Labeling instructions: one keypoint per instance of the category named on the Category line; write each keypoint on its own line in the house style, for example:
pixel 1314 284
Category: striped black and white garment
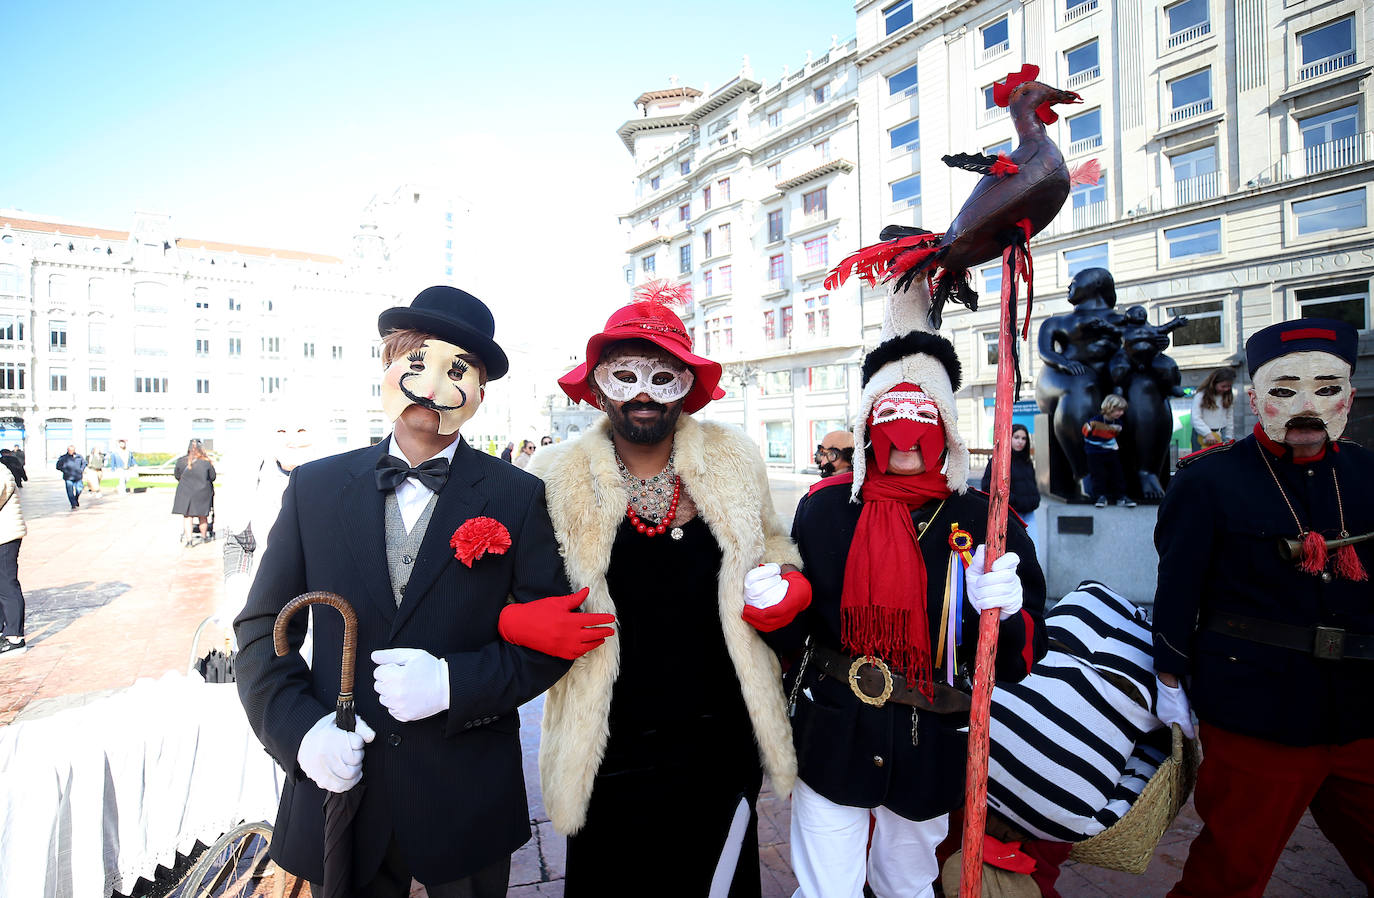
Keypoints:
pixel 1074 742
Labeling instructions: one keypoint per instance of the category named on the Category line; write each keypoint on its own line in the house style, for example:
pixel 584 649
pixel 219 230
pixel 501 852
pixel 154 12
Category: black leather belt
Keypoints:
pixel 873 682
pixel 1327 643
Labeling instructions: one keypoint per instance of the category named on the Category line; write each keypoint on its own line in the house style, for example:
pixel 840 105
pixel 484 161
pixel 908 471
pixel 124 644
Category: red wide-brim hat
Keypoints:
pixel 657 324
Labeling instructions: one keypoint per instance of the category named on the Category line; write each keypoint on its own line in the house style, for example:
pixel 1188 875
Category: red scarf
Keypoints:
pixel 883 605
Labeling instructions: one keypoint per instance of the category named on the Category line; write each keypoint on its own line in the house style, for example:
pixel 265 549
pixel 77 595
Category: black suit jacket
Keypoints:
pixel 450 787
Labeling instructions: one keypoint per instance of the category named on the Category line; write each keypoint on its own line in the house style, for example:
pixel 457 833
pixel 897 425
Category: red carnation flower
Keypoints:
pixel 477 537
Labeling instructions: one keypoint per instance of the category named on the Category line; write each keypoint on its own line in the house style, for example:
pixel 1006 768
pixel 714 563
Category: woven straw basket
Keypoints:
pixel 1128 844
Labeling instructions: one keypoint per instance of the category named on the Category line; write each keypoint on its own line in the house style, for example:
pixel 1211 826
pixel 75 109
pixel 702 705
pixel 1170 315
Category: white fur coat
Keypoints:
pixel 722 471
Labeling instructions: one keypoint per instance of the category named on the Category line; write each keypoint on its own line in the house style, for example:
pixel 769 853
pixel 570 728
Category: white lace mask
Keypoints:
pixel 623 377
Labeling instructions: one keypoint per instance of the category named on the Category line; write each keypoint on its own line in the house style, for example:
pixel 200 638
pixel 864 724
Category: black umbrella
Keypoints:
pixel 339 807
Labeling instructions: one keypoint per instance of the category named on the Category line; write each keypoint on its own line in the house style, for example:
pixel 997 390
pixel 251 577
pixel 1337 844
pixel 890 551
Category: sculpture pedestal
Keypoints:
pixel 1112 545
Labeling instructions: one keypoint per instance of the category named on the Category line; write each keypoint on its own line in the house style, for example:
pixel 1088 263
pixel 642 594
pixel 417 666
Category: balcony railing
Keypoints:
pixel 1197 188
pixel 1323 157
pixel 1084 76
pixel 1182 113
pixel 1179 38
pixel 995 50
pixel 1329 64
pixel 1073 13
pixel 993 114
pixel 1084 145
pixel 1089 215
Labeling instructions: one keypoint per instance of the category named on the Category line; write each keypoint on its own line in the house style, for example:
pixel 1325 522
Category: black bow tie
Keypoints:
pixel 392 471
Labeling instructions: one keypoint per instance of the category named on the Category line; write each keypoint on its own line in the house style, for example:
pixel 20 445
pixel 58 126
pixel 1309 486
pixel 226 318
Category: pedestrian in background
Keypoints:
pixel 16 467
pixel 546 440
pixel 122 464
pixel 73 468
pixel 1104 456
pixel 195 494
pixel 19 452
pixel 1025 493
pixel 507 452
pixel 12 532
pixel 526 451
pixel 835 453
pixel 95 469
pixel 1212 420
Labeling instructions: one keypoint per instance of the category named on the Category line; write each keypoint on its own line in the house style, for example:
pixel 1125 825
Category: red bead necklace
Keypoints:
pixel 661 526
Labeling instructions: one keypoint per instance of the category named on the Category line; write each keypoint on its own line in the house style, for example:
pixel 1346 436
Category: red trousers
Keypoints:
pixel 1251 793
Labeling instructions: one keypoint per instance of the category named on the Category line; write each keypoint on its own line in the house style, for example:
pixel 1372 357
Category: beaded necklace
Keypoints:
pixel 655 498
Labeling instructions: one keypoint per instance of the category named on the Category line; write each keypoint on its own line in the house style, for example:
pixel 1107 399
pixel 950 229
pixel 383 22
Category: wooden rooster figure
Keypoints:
pixel 1020 193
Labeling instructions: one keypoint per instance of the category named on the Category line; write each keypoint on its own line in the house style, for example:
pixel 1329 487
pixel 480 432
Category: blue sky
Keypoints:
pixel 273 123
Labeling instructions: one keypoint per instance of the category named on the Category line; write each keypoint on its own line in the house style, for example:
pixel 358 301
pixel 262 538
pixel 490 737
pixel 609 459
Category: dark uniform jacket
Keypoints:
pixel 450 788
pixel 859 755
pixel 1218 540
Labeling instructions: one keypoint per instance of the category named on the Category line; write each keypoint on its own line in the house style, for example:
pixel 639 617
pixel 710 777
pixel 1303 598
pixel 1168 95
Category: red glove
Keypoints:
pixel 766 620
pixel 552 626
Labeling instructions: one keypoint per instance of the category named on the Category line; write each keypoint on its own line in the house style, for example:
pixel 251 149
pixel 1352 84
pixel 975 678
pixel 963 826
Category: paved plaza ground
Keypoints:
pixel 112 597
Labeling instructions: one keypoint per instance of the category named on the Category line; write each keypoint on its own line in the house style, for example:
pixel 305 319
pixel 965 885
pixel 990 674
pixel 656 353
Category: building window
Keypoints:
pixel 706 244
pixel 778 434
pixel 1005 146
pixel 813 203
pixel 898 15
pixel 235 305
pixel 708 284
pixel 996 39
pixel 57 380
pixel 144 384
pixel 1076 9
pixel 684 167
pixel 448 244
pixel 1327 48
pixel 1204 322
pixel 817 252
pixel 821 94
pixel 775 226
pixel 95 338
pixel 727 278
pixel 907 136
pixel 308 350
pixel 655 181
pixel 1190 95
pixel 770 325
pixel 1095 256
pixel 271 345
pixel 1331 140
pixel 97 381
pixel 786 322
pixel 775 270
pixel 202 385
pixel 775 171
pixel 11 376
pixel 336 353
pixel 1085 131
pixel 684 258
pixel 11 328
pixel 1195 175
pixel 723 235
pixel 818 316
pixel 1333 212
pixel 822 150
pixel 1083 64
pixel 907 190
pixel 1201 239
pixel 57 336
pixel 376 391
pixel 992 280
pixel 235 347
pixel 1188 21
pixel 648 264
pixel 775 118
pixel 777 383
pixel 902 82
pixel 684 212
pixel 706 199
pixel 270 384
pixel 202 346
pixel 1089 202
pixel 729 331
pixel 990 348
pixel 825 377
pixel 1344 302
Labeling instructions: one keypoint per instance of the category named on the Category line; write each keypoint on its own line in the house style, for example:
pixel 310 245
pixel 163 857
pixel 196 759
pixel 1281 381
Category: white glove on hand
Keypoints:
pixel 998 588
pixel 332 757
pixel 1172 708
pixel 764 586
pixel 412 683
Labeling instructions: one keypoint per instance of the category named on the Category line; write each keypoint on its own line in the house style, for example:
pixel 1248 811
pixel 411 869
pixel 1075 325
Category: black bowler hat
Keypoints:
pixel 455 316
pixel 1329 335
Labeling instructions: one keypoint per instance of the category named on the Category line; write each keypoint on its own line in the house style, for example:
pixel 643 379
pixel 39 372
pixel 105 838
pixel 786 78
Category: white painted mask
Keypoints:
pixel 1302 387
pixel 438 376
pixel 622 377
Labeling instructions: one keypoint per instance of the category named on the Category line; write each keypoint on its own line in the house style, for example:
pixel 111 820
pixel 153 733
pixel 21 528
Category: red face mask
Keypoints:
pixel 905 417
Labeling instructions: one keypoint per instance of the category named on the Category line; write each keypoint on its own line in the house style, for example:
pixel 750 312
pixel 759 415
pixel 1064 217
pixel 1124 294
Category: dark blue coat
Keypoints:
pixel 450 787
pixel 1218 536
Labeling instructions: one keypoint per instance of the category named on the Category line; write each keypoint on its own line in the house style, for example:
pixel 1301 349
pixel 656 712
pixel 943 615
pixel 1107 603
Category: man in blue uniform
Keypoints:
pixel 1265 613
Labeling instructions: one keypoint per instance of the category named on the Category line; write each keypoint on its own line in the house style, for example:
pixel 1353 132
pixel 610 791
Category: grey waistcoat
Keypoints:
pixel 401 547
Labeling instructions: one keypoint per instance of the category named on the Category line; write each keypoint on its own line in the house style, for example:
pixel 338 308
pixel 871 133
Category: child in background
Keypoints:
pixel 1104 462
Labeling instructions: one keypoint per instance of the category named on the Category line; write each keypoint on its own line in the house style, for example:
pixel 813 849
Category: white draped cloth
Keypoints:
pixel 94 797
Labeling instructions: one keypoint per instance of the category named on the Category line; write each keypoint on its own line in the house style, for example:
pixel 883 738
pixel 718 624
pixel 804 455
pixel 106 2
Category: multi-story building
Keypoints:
pixel 749 193
pixel 1233 137
pixel 156 338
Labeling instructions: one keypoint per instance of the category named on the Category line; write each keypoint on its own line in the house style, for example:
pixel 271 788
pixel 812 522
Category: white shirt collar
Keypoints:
pixel 446 453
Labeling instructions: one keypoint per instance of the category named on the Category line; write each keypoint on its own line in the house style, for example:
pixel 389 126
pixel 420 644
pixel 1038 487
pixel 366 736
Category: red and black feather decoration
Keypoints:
pixel 665 293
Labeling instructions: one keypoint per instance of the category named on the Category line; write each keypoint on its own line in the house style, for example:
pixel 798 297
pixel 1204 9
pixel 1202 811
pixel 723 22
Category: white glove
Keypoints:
pixel 332 757
pixel 998 588
pixel 1172 708
pixel 412 683
pixel 764 586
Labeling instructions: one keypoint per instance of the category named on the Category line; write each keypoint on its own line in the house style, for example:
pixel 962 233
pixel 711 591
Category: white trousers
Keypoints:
pixel 831 855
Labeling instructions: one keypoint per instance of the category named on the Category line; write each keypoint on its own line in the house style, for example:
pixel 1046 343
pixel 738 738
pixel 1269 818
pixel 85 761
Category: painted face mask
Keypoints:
pixel 1302 390
pixel 623 377
pixel 904 417
pixel 438 376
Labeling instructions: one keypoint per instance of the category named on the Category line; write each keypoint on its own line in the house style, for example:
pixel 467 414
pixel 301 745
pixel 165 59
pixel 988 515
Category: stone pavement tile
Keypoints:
pixel 542 890
pixel 525 865
pixel 553 851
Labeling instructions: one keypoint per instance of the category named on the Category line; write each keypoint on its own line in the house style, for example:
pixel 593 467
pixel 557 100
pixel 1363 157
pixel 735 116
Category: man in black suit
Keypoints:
pixel 437 688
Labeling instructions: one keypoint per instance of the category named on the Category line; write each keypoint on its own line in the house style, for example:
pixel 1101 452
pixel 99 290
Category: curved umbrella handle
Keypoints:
pixel 345 717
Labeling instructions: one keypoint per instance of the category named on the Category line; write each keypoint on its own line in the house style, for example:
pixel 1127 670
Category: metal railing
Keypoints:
pixel 1197 188
pixel 995 50
pixel 1323 157
pixel 1179 38
pixel 994 113
pixel 1087 143
pixel 1074 13
pixel 1329 64
pixel 1084 76
pixel 1180 113
pixel 1089 215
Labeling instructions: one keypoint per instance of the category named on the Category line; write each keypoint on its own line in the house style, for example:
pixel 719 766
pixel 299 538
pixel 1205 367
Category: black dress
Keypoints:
pixel 681 752
pixel 195 488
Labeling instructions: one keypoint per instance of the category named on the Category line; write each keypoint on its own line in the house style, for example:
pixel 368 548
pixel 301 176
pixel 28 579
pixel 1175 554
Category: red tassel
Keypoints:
pixel 1313 553
pixel 1349 566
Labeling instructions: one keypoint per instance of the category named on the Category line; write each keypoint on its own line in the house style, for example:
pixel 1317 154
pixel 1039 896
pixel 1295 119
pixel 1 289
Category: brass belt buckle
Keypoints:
pixel 1330 644
pixel 876 701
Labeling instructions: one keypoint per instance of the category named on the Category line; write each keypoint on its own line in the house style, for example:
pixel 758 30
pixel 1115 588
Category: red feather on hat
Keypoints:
pixel 665 293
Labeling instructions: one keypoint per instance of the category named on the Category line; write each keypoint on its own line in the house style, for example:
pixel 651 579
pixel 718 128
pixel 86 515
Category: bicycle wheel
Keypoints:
pixel 236 866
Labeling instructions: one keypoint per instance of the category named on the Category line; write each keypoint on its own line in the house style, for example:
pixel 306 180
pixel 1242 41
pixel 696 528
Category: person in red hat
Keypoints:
pixel 668 523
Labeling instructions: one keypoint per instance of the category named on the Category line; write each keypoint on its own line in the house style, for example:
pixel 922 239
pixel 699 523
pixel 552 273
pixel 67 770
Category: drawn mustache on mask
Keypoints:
pixel 430 403
pixel 1306 421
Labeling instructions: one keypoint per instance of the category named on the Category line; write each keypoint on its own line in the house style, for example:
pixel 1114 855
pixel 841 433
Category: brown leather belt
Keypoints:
pixel 1327 643
pixel 873 682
